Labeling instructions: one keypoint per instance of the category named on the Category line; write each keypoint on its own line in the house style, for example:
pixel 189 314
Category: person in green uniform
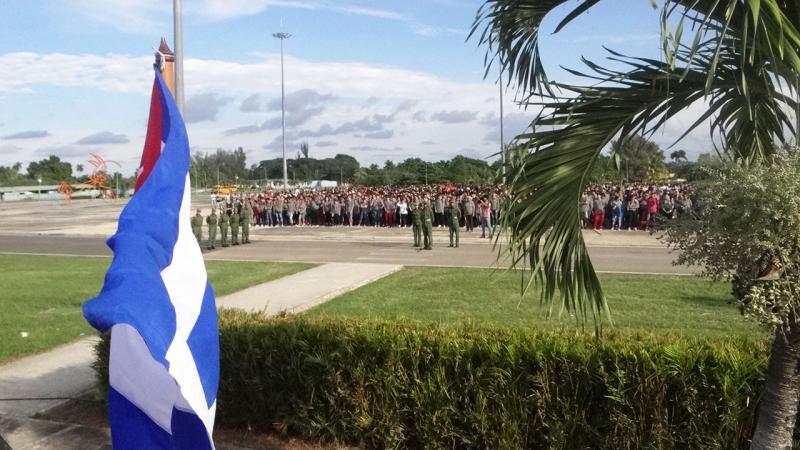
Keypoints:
pixel 197 227
pixel 247 214
pixel 416 223
pixel 234 226
pixel 212 229
pixel 453 218
pixel 427 224
pixel 224 221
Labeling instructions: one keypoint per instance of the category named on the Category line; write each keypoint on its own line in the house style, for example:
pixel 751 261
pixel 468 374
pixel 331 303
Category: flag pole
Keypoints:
pixel 178 34
pixel 165 61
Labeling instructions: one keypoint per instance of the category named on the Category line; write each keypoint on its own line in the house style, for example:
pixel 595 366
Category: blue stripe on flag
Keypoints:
pixel 205 346
pixel 189 431
pixel 131 428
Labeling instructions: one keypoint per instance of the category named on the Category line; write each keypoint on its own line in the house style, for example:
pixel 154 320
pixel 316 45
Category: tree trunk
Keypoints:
pixel 777 411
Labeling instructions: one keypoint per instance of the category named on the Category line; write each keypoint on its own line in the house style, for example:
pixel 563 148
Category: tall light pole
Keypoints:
pixel 282 36
pixel 178 30
pixel 502 136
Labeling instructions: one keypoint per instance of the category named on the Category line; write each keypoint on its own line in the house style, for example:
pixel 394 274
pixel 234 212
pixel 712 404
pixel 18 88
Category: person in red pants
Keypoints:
pixel 598 207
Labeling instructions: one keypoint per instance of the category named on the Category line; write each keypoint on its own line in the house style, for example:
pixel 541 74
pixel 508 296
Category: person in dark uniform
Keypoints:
pixel 453 213
pixel 416 223
pixel 234 226
pixel 224 222
pixel 427 224
pixel 197 228
pixel 247 214
pixel 212 229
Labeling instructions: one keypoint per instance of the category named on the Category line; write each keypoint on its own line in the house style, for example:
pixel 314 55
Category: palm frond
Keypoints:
pixel 510 30
pixel 741 57
pixel 764 31
pixel 542 217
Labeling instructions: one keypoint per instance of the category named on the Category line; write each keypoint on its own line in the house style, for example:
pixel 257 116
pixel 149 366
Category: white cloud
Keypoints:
pixel 103 138
pixel 251 104
pixel 382 134
pixel 342 99
pixel 514 123
pixel 10 150
pixel 31 134
pixel 454 116
pixel 343 102
pixel 204 107
pixel 110 73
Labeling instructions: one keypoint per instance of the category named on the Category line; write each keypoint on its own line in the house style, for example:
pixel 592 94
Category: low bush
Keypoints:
pixel 401 385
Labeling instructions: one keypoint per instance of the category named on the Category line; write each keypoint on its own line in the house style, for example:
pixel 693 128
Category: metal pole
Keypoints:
pixel 176 7
pixel 283 36
pixel 283 123
pixel 502 136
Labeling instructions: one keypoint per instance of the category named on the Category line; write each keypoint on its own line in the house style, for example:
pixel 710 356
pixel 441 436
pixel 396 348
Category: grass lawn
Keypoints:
pixel 680 305
pixel 42 295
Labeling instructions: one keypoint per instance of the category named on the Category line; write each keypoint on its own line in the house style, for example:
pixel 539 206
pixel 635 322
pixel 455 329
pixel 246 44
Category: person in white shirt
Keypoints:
pixel 402 208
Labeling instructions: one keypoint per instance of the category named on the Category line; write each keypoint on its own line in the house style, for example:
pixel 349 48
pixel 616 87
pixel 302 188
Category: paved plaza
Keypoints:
pixel 82 228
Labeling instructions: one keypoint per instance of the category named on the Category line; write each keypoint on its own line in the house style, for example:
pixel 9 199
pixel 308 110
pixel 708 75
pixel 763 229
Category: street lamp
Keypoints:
pixel 502 137
pixel 282 36
pixel 39 192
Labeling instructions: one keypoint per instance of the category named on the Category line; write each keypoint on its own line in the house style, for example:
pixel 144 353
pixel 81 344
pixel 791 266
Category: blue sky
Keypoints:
pixel 376 79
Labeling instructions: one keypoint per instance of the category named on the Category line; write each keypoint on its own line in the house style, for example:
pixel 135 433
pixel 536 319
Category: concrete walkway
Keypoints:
pixel 65 372
pixel 306 289
pixel 21 433
pixel 62 372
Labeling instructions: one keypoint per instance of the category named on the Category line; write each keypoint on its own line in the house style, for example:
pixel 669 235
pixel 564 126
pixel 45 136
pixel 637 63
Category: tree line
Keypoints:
pixel 631 159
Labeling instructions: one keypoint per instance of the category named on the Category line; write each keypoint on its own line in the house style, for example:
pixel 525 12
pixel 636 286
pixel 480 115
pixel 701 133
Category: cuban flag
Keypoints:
pixel 158 304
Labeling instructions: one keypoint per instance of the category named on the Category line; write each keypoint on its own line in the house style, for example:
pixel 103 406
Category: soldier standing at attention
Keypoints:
pixel 212 229
pixel 453 219
pixel 247 214
pixel 416 223
pixel 234 226
pixel 427 224
pixel 223 227
pixel 197 228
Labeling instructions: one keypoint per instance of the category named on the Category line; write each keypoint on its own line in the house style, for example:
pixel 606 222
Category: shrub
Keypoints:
pixel 400 385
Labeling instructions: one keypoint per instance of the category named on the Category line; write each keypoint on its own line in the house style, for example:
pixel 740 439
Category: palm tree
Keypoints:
pixel 639 157
pixel 741 58
pixel 678 155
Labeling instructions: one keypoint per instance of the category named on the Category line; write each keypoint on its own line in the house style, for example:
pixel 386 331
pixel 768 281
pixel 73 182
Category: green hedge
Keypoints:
pixel 399 385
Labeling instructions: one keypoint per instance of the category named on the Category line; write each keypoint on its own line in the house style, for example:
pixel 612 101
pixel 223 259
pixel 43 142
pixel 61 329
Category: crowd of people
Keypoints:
pixel 633 206
pixel 630 206
pixel 365 206
pixel 450 206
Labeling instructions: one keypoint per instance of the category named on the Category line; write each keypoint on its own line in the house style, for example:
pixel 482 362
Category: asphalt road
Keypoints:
pixel 295 248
